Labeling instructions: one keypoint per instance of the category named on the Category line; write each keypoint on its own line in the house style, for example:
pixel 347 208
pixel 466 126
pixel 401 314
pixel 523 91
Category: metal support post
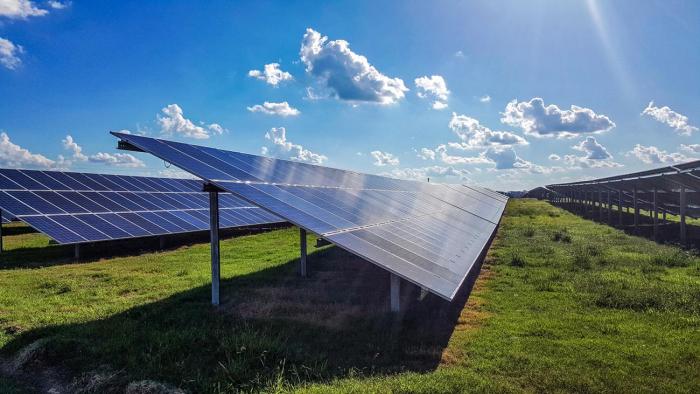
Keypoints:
pixel 682 207
pixel 619 202
pixel 215 257
pixel 609 209
pixel 600 204
pixel 636 208
pixel 161 242
pixel 76 251
pixel 1 231
pixel 655 209
pixel 395 292
pixel 302 246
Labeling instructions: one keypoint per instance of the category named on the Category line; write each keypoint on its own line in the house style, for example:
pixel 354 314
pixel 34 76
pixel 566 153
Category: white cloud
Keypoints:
pixel 280 109
pixel 691 148
pixel 74 148
pixel 554 157
pixel 593 149
pixel 485 99
pixel 447 158
pixel 669 117
pixel 382 159
pixel 278 136
pixel 423 173
pixel 459 54
pixel 271 74
pixel 116 159
pixel 9 54
pixel 433 88
pixel 14 156
pixel 596 155
pixel 536 119
pixel 346 75
pixel 57 5
pixel 505 158
pixel 173 121
pixel 654 155
pixel 19 9
pixel 426 154
pixel 475 135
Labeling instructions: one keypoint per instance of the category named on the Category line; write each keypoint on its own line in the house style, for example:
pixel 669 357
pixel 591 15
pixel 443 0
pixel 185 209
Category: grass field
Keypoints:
pixel 562 304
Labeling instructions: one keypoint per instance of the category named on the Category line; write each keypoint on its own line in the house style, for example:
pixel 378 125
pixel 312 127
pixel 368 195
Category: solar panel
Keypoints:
pixel 428 234
pixel 74 207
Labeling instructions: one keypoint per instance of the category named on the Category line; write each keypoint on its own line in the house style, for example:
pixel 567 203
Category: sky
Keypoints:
pixel 506 94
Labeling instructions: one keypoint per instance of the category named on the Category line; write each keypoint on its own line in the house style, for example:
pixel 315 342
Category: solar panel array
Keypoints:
pixel 429 234
pixel 667 181
pixel 73 207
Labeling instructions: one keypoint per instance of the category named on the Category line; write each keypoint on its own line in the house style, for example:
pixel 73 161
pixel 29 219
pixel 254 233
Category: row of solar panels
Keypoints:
pixel 77 207
pixel 666 181
pixel 428 234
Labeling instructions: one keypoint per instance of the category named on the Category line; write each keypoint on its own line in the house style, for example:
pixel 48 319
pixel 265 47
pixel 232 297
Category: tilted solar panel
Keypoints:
pixel 429 234
pixel 74 207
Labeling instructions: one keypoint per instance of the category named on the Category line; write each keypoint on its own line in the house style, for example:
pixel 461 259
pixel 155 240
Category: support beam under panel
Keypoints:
pixel 76 251
pixel 302 246
pixel 1 248
pixel 215 253
pixel 395 293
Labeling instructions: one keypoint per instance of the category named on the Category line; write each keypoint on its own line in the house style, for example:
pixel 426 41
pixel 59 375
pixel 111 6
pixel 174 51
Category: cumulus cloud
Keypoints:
pixel 426 154
pixel 116 159
pixel 76 150
pixel 279 109
pixel 485 99
pixel 20 9
pixel 433 88
pixel 14 156
pixel 9 54
pixel 345 75
pixel 593 149
pixel 278 136
pixel 271 74
pixel 57 5
pixel 554 157
pixel 382 159
pixel 424 173
pixel 475 135
pixel 173 122
pixel 536 119
pixel 505 158
pixel 669 117
pixel 654 155
pixel 691 148
pixel 596 155
pixel 442 152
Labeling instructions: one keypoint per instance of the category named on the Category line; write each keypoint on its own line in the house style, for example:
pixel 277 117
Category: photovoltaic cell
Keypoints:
pixel 429 234
pixel 80 207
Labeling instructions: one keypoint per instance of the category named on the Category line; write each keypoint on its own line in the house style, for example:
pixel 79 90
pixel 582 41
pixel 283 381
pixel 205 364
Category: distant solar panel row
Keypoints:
pixel 429 234
pixel 78 207
pixel 667 181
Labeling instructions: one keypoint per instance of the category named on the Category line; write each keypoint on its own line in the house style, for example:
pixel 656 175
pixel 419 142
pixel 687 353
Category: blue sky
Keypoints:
pixel 507 94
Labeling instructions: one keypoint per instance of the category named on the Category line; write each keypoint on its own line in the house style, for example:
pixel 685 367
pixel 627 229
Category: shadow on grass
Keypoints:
pixel 669 232
pixel 51 253
pixel 272 327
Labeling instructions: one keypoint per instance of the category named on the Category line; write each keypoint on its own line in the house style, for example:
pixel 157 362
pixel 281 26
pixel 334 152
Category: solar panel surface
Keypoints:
pixel 79 207
pixel 429 234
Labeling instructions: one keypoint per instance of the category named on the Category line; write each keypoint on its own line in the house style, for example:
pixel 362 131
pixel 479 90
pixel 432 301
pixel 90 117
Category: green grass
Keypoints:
pixel 562 304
